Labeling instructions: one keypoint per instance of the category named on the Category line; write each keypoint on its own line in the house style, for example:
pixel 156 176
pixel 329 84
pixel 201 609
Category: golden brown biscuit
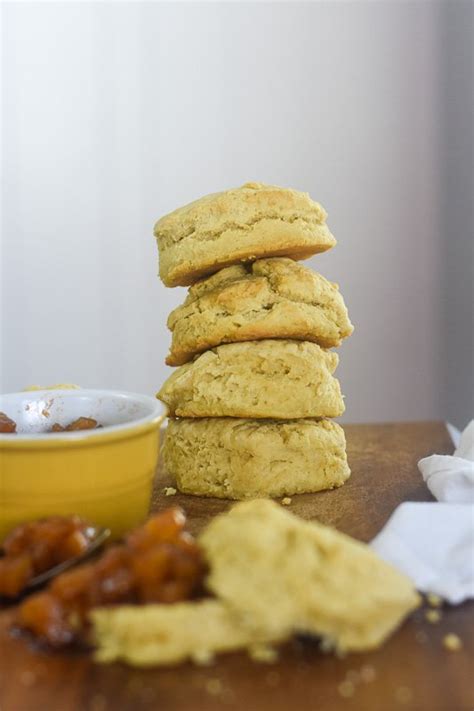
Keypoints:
pixel 271 298
pixel 237 459
pixel 283 574
pixel 276 379
pixel 149 635
pixel 239 225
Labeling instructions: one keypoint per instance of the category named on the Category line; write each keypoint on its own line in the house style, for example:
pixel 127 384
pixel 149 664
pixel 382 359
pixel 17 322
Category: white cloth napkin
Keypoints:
pixel 433 543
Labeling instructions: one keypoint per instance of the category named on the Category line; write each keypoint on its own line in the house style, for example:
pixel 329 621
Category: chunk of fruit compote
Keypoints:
pixel 14 574
pixel 7 426
pixel 163 527
pixel 82 423
pixel 36 547
pixel 45 616
pixel 159 562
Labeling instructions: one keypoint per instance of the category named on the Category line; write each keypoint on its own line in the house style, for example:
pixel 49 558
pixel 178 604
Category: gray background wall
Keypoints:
pixel 115 113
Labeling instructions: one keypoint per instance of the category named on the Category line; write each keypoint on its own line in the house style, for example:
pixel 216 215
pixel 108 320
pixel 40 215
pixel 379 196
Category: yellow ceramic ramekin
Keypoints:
pixel 105 475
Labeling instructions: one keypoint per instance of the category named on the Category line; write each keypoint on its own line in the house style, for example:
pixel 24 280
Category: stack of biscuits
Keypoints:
pixel 251 401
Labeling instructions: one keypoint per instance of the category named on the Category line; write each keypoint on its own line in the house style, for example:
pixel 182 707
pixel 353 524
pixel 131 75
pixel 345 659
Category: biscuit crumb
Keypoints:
pixel 286 501
pixel 346 689
pixel 452 642
pixel 263 653
pixel 403 695
pixel 434 600
pixel 203 657
pixel 169 491
pixel 214 687
pixel 432 616
pixel 368 674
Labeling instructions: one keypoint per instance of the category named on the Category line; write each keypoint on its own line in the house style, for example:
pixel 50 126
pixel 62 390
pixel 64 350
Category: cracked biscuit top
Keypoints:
pixel 278 379
pixel 282 573
pixel 270 298
pixel 239 225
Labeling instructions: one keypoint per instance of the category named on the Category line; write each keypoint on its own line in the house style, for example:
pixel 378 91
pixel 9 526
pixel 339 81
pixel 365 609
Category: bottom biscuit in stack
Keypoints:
pixel 233 458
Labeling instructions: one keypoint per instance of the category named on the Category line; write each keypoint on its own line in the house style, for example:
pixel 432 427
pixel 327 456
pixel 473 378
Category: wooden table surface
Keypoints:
pixel 411 671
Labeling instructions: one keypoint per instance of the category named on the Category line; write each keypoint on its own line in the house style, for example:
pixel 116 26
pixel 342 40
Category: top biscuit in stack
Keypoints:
pixel 239 225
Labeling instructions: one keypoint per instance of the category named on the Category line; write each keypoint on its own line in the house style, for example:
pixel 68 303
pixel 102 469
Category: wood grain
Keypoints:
pixel 412 671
